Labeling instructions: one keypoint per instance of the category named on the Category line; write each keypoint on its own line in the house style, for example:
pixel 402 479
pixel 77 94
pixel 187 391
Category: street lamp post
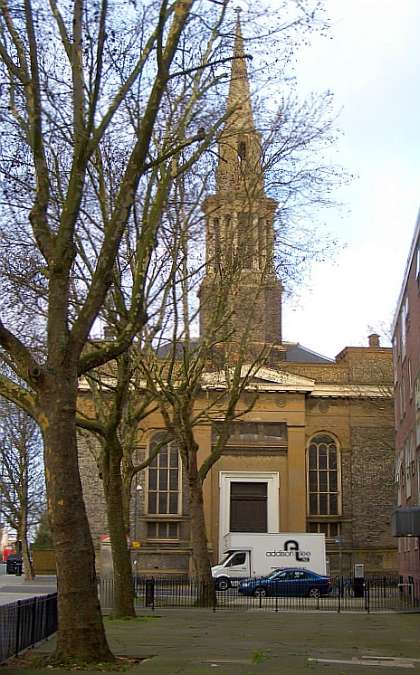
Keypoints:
pixel 339 541
pixel 136 509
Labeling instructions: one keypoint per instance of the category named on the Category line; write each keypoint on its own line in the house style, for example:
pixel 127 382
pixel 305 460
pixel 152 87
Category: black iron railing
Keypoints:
pixel 26 622
pixel 384 593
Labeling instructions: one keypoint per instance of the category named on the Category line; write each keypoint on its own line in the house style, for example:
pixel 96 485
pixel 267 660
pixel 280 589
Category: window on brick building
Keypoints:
pixel 407 466
pixel 164 480
pixel 323 477
pixel 395 357
pixel 163 530
pixel 409 379
pixel 399 479
pixel 404 326
pixel 331 530
pixel 401 399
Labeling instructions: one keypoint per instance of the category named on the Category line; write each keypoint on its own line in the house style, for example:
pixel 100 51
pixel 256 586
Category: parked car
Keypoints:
pixel 287 581
pixel 14 564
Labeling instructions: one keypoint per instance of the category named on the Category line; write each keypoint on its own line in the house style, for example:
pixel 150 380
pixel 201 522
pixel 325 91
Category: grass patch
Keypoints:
pixel 259 656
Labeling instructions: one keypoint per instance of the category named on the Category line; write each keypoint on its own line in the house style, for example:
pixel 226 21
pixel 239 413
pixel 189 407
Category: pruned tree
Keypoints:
pixel 22 485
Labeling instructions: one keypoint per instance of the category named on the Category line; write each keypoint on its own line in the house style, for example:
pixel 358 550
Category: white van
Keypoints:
pixel 248 554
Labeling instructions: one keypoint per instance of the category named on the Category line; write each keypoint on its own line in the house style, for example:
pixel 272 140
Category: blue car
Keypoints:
pixel 287 581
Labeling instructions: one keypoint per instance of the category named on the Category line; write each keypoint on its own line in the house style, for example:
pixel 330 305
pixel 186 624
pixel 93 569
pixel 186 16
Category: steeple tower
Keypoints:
pixel 239 222
pixel 240 157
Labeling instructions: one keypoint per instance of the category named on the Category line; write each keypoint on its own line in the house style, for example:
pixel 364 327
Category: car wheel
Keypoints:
pixel 260 592
pixel 223 584
pixel 314 593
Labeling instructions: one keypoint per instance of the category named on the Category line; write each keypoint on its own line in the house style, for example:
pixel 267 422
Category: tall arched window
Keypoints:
pixel 324 490
pixel 163 491
pixel 164 479
pixel 242 150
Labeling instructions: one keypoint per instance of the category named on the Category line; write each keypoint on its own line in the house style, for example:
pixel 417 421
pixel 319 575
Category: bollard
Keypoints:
pixel 150 593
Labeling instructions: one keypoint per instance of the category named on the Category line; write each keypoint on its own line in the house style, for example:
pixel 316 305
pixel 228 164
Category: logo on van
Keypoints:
pixel 291 550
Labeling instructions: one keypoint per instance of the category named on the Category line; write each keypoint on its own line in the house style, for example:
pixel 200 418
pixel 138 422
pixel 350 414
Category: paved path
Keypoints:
pixel 195 642
pixel 13 588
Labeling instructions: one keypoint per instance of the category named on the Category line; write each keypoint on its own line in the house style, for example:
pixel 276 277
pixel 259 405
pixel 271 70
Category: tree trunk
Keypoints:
pixel 201 563
pixel 113 490
pixel 26 558
pixel 80 629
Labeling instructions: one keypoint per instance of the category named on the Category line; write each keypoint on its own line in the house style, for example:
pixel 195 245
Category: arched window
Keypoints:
pixel 164 497
pixel 242 150
pixel 213 256
pixel 324 489
pixel 163 485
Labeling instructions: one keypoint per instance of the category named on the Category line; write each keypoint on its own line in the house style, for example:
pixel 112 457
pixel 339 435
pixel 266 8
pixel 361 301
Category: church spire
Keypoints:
pixel 240 156
pixel 239 98
pixel 239 224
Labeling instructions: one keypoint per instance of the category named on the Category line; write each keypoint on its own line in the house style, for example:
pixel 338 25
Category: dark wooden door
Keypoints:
pixel 248 507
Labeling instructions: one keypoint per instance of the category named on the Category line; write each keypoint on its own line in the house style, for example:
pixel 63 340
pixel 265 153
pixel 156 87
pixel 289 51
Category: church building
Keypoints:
pixel 316 451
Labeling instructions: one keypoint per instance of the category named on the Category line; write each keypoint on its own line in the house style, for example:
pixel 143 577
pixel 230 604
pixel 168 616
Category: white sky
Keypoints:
pixel 372 65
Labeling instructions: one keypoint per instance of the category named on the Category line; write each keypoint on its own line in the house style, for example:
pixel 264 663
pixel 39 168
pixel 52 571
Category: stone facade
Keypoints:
pixel 92 485
pixel 362 427
pixel 317 446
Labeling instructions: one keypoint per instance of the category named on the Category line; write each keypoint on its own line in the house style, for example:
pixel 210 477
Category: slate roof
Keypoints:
pixel 300 354
pixel 294 352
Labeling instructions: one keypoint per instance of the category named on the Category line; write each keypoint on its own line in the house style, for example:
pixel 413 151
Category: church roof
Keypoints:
pixel 295 352
pixel 166 349
pixel 299 354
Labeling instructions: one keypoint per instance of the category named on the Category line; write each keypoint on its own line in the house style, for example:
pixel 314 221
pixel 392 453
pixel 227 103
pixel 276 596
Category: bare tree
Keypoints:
pixel 174 373
pixel 86 91
pixel 237 337
pixel 119 406
pixel 76 81
pixel 177 367
pixel 22 485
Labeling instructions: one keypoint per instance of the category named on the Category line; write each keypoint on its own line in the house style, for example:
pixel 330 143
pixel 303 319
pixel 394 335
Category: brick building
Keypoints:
pixel 406 349
pixel 316 452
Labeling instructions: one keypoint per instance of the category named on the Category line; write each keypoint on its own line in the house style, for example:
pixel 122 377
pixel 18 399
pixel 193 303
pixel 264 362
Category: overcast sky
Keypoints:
pixel 372 64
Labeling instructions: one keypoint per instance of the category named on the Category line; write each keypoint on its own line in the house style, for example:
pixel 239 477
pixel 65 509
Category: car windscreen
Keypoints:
pixel 276 573
pixel 226 557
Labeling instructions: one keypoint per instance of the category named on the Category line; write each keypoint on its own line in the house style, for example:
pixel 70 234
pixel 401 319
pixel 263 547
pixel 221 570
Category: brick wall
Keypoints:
pixel 373 489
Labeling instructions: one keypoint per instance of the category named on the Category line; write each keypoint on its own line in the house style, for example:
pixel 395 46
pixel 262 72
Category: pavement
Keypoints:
pixel 13 588
pixel 253 642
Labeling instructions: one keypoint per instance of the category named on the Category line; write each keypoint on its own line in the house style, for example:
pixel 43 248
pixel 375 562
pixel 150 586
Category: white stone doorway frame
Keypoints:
pixel 273 484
